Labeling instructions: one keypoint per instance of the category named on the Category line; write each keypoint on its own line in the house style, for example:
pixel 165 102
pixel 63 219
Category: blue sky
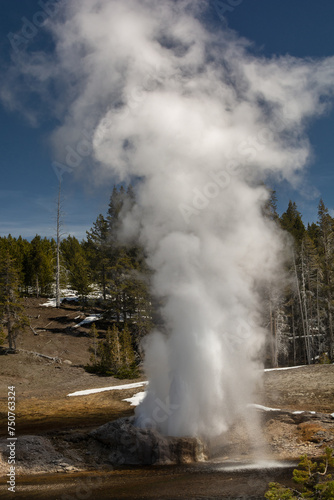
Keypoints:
pixel 28 190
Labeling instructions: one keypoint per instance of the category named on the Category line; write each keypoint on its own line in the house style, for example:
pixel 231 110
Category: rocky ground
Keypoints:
pixel 54 430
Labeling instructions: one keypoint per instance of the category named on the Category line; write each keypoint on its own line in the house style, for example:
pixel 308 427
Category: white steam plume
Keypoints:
pixel 201 121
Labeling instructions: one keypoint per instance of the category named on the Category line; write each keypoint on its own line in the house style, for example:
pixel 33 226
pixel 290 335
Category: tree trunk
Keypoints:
pixel 318 315
pixel 301 310
pixel 104 282
pixel 58 251
pixel 293 334
pixel 11 338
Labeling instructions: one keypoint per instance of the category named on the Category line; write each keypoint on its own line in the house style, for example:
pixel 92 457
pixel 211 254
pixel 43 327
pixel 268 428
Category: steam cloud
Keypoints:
pixel 200 120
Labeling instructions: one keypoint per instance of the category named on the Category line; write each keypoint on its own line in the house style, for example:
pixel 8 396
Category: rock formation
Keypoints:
pixel 133 446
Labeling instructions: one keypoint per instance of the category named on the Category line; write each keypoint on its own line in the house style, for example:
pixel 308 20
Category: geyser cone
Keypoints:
pixel 185 107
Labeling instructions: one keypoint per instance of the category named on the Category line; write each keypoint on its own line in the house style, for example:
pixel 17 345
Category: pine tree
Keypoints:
pixel 41 262
pixel 313 479
pixel 93 349
pixel 19 250
pixel 129 290
pixel 97 251
pixel 11 309
pixel 313 232
pixel 326 250
pixel 116 204
pixel 116 350
pixel 311 281
pixel 122 278
pixel 114 355
pixel 77 266
pixel 270 207
pixel 292 222
pixel 104 354
pixel 2 336
pixel 296 298
pixel 80 276
pixel 59 235
pixel 128 356
pixel 110 352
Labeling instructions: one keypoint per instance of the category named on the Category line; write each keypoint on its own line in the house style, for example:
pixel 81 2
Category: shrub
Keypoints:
pixel 313 478
pixel 114 355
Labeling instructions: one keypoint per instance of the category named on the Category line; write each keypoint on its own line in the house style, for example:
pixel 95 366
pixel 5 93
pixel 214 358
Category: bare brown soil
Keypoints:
pixel 44 409
pixel 42 385
pixel 307 388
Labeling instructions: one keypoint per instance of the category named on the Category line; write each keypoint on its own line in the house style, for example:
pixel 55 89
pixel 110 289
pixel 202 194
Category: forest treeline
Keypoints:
pixel 298 314
pixel 103 272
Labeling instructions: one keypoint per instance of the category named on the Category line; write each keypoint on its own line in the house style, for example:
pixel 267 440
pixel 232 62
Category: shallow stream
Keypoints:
pixel 210 480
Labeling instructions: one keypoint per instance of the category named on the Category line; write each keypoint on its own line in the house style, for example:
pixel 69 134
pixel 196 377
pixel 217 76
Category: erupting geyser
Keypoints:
pixel 200 121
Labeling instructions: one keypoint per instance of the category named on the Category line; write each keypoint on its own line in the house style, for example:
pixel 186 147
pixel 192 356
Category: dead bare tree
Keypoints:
pixel 59 235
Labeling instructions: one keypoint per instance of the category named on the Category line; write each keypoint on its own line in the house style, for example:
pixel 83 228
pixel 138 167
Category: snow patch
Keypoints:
pixel 260 407
pixel 89 319
pixel 70 299
pixel 112 388
pixel 136 399
pixel 284 368
pixel 52 302
pixel 49 303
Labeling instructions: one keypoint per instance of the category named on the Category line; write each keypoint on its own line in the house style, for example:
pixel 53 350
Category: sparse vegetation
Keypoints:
pixel 11 309
pixel 313 477
pixel 113 355
pixel 2 337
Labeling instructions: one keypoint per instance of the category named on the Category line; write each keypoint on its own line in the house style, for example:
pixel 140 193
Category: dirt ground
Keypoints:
pixel 307 388
pixel 44 409
pixel 42 385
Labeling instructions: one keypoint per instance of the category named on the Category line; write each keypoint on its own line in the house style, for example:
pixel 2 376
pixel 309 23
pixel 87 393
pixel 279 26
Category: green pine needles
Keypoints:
pixel 114 355
pixel 312 476
pixel 11 308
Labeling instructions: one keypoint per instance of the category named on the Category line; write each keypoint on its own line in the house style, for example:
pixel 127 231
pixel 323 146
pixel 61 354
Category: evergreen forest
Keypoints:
pixel 104 270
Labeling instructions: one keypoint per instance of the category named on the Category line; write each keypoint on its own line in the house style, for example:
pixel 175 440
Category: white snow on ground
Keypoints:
pixel 86 321
pixel 136 399
pixel 49 303
pixel 299 412
pixel 72 295
pixel 285 368
pixel 112 388
pixel 139 396
pixel 265 408
pixel 52 302
pixel 89 319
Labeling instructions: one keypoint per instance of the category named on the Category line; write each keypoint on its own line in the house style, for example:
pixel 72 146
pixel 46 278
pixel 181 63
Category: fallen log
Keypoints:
pixel 33 330
pixel 55 359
